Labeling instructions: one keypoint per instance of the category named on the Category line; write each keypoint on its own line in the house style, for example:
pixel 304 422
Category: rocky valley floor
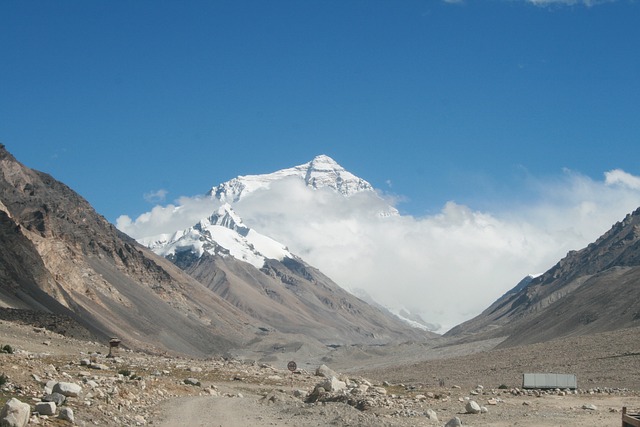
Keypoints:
pixel 408 385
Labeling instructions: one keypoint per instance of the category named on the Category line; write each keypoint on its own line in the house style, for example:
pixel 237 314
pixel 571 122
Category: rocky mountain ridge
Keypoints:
pixel 591 290
pixel 60 256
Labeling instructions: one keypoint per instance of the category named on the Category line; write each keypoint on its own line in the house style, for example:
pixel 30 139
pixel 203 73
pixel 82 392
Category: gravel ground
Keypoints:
pixel 142 389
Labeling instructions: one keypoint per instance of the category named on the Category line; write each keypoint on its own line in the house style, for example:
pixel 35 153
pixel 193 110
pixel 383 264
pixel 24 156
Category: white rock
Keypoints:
pixel 333 384
pixel 431 414
pixel 325 371
pixel 472 407
pixel 48 387
pixel 67 389
pixel 590 407
pixel 15 413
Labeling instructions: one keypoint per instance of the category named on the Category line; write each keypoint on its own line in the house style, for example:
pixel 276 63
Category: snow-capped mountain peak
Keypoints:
pixel 320 172
pixel 223 234
pixel 226 217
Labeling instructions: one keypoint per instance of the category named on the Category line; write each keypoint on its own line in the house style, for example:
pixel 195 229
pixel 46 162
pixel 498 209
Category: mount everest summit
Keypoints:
pixel 321 172
pixel 225 235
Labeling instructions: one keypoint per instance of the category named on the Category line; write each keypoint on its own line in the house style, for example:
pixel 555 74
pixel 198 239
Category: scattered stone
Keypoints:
pixel 454 422
pixel 192 381
pixel 472 407
pixel 590 407
pixel 67 389
pixel 333 384
pixel 56 398
pixel 46 408
pixel 67 415
pixel 48 387
pixel 15 413
pixel 325 371
pixel 99 366
pixel 431 414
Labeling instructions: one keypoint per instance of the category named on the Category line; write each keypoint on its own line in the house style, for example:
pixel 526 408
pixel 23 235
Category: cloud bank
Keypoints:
pixel 446 267
pixel 587 3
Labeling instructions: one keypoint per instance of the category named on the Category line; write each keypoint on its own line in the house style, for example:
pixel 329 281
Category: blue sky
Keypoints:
pixel 430 100
pixel 508 131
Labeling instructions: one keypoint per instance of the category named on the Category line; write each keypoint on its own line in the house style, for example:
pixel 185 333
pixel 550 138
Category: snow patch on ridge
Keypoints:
pixel 223 234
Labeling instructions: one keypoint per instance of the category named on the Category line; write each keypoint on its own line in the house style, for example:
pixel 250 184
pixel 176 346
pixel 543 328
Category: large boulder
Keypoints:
pixel 333 384
pixel 472 407
pixel 15 413
pixel 67 389
pixel 325 371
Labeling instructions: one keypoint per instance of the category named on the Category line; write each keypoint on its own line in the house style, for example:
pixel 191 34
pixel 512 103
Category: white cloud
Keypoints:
pixel 165 219
pixel 588 3
pixel 448 266
pixel 155 196
pixel 620 177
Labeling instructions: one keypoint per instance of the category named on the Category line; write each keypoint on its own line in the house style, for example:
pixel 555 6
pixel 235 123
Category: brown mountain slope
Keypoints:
pixel 595 289
pixel 295 298
pixel 59 255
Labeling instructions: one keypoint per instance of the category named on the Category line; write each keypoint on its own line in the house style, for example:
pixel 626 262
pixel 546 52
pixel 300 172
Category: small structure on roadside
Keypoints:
pixel 114 343
pixel 549 381
pixel 630 419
